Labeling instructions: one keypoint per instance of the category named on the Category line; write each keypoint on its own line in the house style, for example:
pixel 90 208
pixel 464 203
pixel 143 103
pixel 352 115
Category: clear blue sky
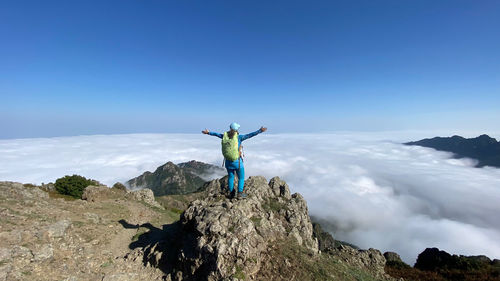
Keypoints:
pixel 103 67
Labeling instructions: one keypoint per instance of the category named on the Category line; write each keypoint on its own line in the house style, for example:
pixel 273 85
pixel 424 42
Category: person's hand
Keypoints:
pixel 205 132
pixel 263 129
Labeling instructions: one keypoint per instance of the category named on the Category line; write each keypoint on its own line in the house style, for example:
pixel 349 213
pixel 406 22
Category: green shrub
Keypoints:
pixel 73 185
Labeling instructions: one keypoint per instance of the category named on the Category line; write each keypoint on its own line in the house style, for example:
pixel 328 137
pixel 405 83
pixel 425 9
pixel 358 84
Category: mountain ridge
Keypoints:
pixel 484 149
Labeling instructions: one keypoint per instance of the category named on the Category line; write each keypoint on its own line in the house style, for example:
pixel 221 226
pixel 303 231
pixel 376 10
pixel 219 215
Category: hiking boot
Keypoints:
pixel 232 194
pixel 242 195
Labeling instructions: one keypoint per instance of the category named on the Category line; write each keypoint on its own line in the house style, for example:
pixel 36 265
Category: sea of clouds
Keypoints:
pixel 372 190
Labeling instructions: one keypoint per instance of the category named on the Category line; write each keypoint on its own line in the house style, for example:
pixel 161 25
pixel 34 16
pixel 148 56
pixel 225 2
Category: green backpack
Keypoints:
pixel 230 147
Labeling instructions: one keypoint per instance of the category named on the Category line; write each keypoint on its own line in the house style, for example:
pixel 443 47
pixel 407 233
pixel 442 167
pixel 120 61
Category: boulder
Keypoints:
pixel 97 193
pixel 5 254
pixel 58 229
pixel 45 252
pixel 432 258
pixel 394 260
pixel 19 191
pixel 145 195
pixel 392 257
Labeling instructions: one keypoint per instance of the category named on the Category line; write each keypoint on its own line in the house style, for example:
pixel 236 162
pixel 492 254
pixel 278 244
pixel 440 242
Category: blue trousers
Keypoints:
pixel 241 178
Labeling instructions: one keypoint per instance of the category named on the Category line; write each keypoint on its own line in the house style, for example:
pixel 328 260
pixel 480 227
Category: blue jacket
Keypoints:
pixel 237 163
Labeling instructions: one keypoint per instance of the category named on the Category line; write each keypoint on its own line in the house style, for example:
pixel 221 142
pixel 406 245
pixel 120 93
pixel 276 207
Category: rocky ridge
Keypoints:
pixel 230 239
pixel 120 235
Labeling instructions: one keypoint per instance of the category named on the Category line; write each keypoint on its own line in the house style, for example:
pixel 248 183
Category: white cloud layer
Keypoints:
pixel 375 192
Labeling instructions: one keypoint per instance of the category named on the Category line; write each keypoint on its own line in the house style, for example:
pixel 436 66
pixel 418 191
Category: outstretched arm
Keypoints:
pixel 247 136
pixel 207 132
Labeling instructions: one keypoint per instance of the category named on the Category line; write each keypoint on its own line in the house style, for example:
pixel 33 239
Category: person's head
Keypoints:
pixel 234 126
pixel 233 129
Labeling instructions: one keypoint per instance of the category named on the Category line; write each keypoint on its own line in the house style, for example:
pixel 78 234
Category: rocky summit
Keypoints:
pixel 225 237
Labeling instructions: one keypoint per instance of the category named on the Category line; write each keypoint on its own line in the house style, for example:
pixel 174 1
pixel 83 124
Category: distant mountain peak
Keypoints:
pixel 182 178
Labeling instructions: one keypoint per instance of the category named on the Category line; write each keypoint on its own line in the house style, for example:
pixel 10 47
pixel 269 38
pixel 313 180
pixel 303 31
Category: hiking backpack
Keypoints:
pixel 230 147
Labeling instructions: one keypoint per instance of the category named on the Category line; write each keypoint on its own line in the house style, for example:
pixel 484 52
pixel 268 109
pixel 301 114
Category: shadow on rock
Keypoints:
pixel 158 247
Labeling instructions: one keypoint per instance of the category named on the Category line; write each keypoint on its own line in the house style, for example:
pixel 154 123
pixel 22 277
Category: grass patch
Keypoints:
pixel 14 211
pixel 87 236
pixel 239 274
pixel 462 268
pixel 410 273
pixel 178 201
pixel 140 232
pixel 2 262
pixel 175 210
pixel 4 221
pixel 56 195
pixel 273 205
pixel 113 211
pixel 176 197
pixel 108 263
pixel 78 223
pixel 288 260
pixel 256 221
pixel 167 215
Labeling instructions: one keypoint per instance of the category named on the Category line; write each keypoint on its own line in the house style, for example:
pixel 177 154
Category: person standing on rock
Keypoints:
pixel 232 151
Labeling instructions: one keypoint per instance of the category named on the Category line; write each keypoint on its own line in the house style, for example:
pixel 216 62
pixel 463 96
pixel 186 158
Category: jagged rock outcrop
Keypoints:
pixel 325 239
pixel 433 259
pixel 435 264
pixel 175 179
pixel 222 237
